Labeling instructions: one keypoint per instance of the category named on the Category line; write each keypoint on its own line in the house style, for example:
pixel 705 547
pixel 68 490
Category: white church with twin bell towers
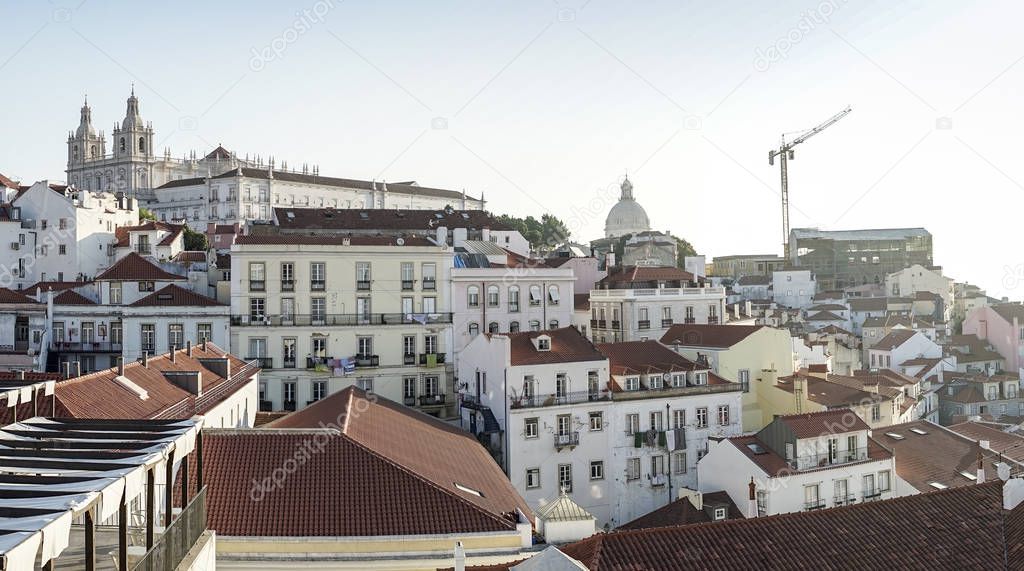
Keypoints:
pixel 133 167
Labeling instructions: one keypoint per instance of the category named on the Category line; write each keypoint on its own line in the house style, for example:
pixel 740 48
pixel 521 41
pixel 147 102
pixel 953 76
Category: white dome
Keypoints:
pixel 627 216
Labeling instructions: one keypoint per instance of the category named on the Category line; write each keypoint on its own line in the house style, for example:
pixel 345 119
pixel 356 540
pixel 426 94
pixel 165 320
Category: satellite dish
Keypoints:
pixel 1003 471
pixel 666 377
pixel 400 241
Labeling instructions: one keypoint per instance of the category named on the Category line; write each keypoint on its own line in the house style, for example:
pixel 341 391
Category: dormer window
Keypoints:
pixel 543 343
pixel 700 378
pixel 632 383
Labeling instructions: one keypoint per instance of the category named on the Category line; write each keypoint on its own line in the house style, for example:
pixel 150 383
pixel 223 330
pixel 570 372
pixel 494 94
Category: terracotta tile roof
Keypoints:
pixel 224 229
pixel 940 455
pixel 134 267
pixel 894 339
pixel 626 277
pixel 8 182
pixel 11 296
pixel 384 469
pixel 926 296
pixel 173 295
pixel 54 285
pixel 1009 311
pixel 643 357
pixel 1009 444
pixel 99 395
pixel 329 240
pixel 716 336
pixel 190 256
pixel 868 303
pixel 872 535
pixel 831 395
pixel 567 346
pixel 682 512
pixel 122 234
pixel 831 294
pixel 581 301
pixel 825 316
pixel 72 297
pixel 835 330
pixel 814 424
pixel 400 187
pixel 383 219
pixel 828 307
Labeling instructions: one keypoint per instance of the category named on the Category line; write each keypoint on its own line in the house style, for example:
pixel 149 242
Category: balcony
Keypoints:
pixel 570 439
pixel 262 362
pixel 407 285
pixel 287 285
pixel 340 319
pixel 266 406
pixel 257 285
pixel 143 249
pixel 677 292
pixel 814 505
pixel 362 285
pixel 643 324
pixel 813 461
pixel 317 285
pixel 176 543
pixel 689 320
pixel 666 322
pixel 872 495
pixel 289 405
pixel 288 363
pixel 429 284
pixel 598 323
pixel 317 362
pixel 87 347
pixel 616 324
pixel 713 320
pixel 432 400
pixel 535 401
pixel 425 358
pixel 409 400
pixel 846 500
pixel 28 224
pixel 409 359
pixel 367 361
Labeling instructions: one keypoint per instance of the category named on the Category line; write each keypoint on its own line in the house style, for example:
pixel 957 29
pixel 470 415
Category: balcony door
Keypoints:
pixel 563 423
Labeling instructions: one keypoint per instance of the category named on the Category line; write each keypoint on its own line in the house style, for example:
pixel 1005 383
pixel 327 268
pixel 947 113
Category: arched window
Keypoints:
pixel 492 296
pixel 92 151
pixel 74 152
pixel 513 327
pixel 492 327
pixel 122 144
pixel 473 296
pixel 553 324
pixel 142 144
pixel 553 296
pixel 534 325
pixel 474 329
pixel 535 295
pixel 513 299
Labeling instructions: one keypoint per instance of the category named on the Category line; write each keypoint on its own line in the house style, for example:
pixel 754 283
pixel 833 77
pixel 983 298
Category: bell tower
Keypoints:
pixel 133 150
pixel 84 145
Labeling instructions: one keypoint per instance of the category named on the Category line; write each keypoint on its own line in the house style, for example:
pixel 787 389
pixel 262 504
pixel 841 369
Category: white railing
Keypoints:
pixel 662 292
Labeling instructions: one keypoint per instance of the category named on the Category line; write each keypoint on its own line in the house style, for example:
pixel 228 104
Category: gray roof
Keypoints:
pixel 563 509
pixel 873 234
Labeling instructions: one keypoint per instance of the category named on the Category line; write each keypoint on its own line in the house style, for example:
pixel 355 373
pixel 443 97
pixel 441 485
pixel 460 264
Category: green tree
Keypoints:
pixel 146 214
pixel 543 234
pixel 195 241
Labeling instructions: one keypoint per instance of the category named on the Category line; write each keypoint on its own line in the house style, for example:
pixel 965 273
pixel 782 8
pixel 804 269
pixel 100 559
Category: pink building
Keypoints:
pixel 1002 326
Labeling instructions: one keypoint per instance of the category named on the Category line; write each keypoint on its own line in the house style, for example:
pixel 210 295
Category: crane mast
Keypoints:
pixel 785 154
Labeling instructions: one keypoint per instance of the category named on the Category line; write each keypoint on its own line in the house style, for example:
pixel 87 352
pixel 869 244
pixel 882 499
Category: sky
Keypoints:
pixel 544 105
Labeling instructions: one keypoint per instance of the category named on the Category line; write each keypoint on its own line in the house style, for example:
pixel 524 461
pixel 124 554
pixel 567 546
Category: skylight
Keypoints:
pixel 938 486
pixel 969 476
pixel 756 448
pixel 918 431
pixel 894 436
pixel 469 490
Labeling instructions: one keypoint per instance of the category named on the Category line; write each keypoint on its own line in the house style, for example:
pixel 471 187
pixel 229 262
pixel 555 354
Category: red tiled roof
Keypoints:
pixel 8 182
pixel 939 455
pixel 328 240
pixel 72 297
pixel 626 276
pixel 51 285
pixel 643 357
pixel 1009 311
pixel 11 296
pixel 717 336
pixel 134 267
pixel 1009 444
pixel 122 234
pixel 894 339
pixel 567 346
pixel 190 256
pixel 29 376
pixel 872 535
pixel 98 395
pixel 174 295
pixel 224 229
pixel 381 219
pixel 682 512
pixel 814 424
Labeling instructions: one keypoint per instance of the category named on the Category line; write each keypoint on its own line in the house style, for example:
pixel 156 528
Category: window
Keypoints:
pixel 318 346
pixel 429 276
pixel 532 478
pixel 632 383
pixel 702 417
pixel 632 423
pixel 474 329
pixel 364 346
pixel 644 321
pixel 287 308
pixel 62 224
pixel 493 327
pixel 409 346
pixel 318 390
pixel 365 383
pixel 561 385
pixel 115 293
pixel 884 481
pixel 565 477
pixel 408 277
pixel 553 296
pixel 148 337
pixel 876 413
pixel 147 286
pixel 288 392
pixel 700 378
pixel 287 276
pixel 678 460
pixel 535 295
pixel 811 498
pixel 744 379
pixel 723 415
pixel 492 296
pixel 597 470
pixel 513 327
pixel 596 421
pixel 288 346
pixel 762 503
pixel 679 418
pixel 430 343
pixel 317 309
pixel 257 276
pixel 409 388
pixel 116 332
pixel 678 380
pixel 632 469
pixel 531 428
pixel 534 325
pixel 658 465
pixel 318 276
pixel 657 420
pixel 257 308
pixel 869 486
pixel 655 381
pixel 513 299
pixel 175 335
pixel 553 324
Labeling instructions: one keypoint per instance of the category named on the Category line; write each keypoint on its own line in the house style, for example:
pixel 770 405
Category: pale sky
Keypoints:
pixel 542 104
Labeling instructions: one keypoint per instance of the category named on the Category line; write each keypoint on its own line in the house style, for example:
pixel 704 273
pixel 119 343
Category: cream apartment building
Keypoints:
pixel 322 313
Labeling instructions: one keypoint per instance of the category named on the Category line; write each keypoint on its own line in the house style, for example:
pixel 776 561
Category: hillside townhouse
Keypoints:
pixel 323 312
pixel 752 355
pixel 819 319
pixel 978 394
pixel 617 427
pixel 969 354
pixel 803 462
pixel 634 303
pixel 900 346
pixel 793 287
pixel 917 279
pixel 863 308
pixel 66 234
pixel 875 328
pixel 835 348
pixel 756 287
pixel 1002 325
pixel 495 291
pixel 158 240
pixel 737 266
pixel 23 332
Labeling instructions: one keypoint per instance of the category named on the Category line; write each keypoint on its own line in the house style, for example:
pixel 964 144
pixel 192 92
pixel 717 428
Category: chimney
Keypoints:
pixel 981 469
pixel 460 557
pixel 695 498
pixel 66 369
pixel 1013 493
pixel 120 366
pixel 191 381
pixel 78 368
pixel 174 349
pixel 204 345
pixel 219 365
pixel 752 499
pixel 145 359
pixel 21 375
pixel 188 348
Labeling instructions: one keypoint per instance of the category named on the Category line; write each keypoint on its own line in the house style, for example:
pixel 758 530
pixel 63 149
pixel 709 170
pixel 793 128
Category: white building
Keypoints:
pixel 22 332
pixel 793 288
pixel 917 278
pixel 801 462
pixel 899 346
pixel 325 312
pixel 67 234
pixel 618 427
pixel 635 303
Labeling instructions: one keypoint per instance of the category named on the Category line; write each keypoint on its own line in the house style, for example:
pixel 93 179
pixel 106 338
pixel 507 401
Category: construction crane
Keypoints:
pixel 785 154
